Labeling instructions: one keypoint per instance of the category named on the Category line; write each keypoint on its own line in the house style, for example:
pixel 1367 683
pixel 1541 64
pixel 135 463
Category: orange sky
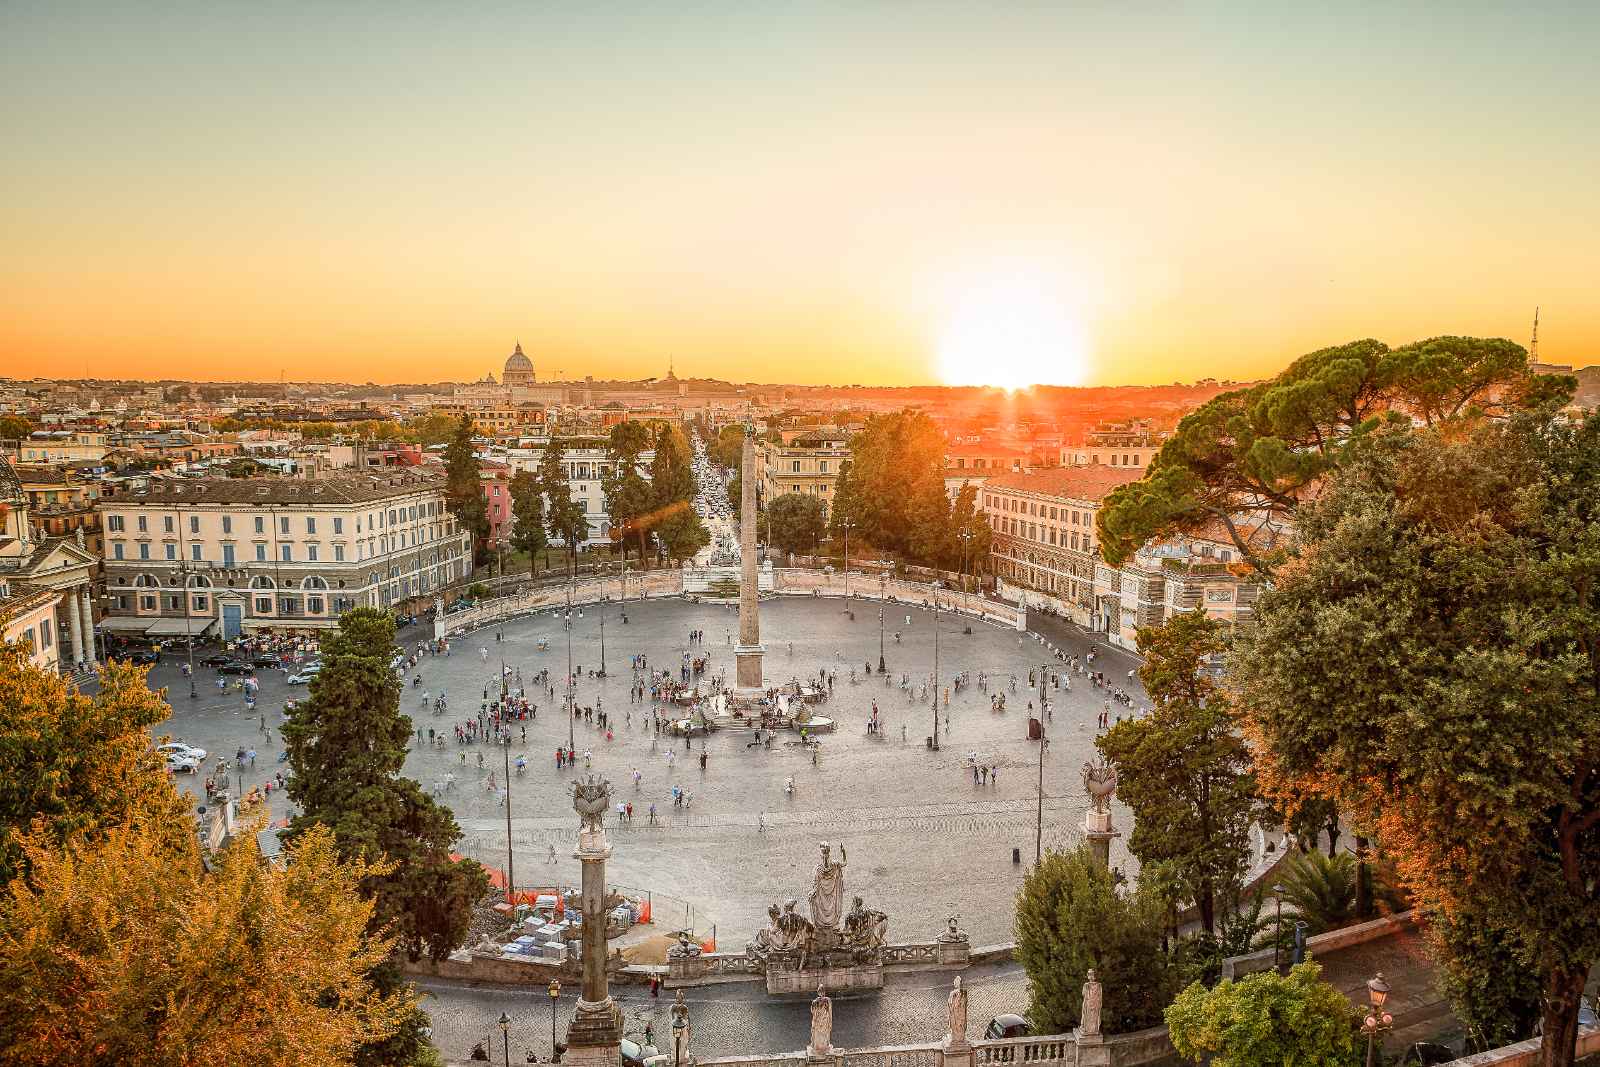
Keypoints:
pixel 835 194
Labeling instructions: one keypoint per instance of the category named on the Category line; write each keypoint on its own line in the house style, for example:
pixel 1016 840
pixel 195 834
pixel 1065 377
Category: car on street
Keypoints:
pixel 236 666
pixel 303 675
pixel 139 656
pixel 262 659
pixel 178 748
pixel 178 763
pixel 216 659
pixel 1003 1026
pixel 637 1055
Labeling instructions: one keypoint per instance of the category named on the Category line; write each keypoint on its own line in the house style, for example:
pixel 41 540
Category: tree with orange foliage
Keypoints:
pixel 121 948
pixel 77 764
pixel 1429 658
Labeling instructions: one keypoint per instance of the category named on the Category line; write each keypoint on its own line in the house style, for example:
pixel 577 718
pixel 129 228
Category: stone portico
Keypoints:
pixel 61 567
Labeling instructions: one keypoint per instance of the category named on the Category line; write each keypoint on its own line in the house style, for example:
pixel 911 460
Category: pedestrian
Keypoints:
pixel 552 853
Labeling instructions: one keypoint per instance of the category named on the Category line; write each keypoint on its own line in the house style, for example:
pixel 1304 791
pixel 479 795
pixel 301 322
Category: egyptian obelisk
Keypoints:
pixel 747 656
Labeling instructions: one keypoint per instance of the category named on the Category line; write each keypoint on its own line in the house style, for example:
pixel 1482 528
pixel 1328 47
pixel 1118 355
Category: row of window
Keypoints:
pixel 375 520
pixel 1034 508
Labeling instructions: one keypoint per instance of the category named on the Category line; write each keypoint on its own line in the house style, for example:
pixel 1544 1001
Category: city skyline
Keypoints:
pixel 883 196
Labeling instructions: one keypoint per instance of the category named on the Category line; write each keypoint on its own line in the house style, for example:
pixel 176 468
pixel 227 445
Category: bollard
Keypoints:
pixel 927 741
pixel 1016 855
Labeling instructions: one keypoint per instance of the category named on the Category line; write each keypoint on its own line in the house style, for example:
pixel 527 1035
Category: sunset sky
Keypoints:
pixel 876 193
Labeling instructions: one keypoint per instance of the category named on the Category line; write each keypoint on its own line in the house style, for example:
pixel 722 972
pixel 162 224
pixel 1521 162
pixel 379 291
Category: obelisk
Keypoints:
pixel 594 1037
pixel 747 656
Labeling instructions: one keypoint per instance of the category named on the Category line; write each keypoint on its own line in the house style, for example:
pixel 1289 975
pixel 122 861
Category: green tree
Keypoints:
pixel 630 498
pixel 1321 889
pixel 527 512
pixel 347 744
pixel 14 427
pixel 1267 1020
pixel 1429 663
pixel 1493 991
pixel 794 522
pixel 672 469
pixel 564 517
pixel 970 532
pixel 464 489
pixel 75 764
pixel 1261 450
pixel 896 468
pixel 435 428
pixel 931 536
pixel 681 531
pixel 1184 769
pixel 727 450
pixel 1071 918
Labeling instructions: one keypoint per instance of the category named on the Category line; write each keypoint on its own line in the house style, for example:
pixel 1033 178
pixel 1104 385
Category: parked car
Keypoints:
pixel 236 666
pixel 262 659
pixel 178 748
pixel 178 763
pixel 140 656
pixel 216 659
pixel 1426 1054
pixel 304 675
pixel 1006 1026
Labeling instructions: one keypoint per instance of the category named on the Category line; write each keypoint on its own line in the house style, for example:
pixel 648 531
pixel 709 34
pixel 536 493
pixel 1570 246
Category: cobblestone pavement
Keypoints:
pixel 729 1020
pixel 923 838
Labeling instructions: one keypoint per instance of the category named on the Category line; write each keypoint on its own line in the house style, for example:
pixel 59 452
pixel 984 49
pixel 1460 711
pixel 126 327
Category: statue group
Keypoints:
pixel 831 937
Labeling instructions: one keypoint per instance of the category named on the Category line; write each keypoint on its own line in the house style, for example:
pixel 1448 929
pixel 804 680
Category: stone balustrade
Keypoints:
pixel 712 968
pixel 1053 1048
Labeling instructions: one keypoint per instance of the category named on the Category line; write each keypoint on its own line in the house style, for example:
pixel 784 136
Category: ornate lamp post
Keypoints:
pixel 1378 1021
pixel 554 991
pixel 880 639
pixel 1277 936
pixel 937 585
pixel 511 869
pixel 1038 826
pixel 505 1036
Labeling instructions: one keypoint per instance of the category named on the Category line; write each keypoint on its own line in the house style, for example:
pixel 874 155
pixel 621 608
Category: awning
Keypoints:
pixel 268 623
pixel 179 627
pixel 124 624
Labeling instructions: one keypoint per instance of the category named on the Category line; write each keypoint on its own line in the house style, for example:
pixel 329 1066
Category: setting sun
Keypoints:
pixel 1012 333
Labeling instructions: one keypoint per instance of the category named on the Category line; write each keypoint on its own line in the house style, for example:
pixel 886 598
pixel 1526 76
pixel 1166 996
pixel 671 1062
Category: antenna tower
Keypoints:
pixel 1533 345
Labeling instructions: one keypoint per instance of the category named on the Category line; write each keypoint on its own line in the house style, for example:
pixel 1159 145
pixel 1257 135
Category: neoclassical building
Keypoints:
pixel 231 555
pixel 45 583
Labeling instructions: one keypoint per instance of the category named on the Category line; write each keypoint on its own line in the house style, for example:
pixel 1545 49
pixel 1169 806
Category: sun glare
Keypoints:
pixel 1011 333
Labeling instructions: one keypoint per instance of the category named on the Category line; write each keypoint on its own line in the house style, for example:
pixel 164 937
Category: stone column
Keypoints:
pixel 88 623
pixel 75 628
pixel 594 1036
pixel 747 657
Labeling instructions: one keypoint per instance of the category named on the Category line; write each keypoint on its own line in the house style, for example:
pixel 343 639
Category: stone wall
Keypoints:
pixel 1322 944
pixel 1526 1053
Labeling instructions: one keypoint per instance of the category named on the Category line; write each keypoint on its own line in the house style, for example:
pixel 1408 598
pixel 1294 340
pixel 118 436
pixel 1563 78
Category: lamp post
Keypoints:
pixel 1038 825
pixel 511 870
pixel 680 1029
pixel 505 1036
pixel 880 639
pixel 846 526
pixel 554 991
pixel 1277 937
pixel 1378 1021
pixel 936 587
pixel 572 741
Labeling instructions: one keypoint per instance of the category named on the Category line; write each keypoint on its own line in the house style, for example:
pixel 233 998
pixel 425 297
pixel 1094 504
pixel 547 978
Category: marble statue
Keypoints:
pixel 590 799
pixel 796 932
pixel 685 948
pixel 821 1026
pixel 1089 1026
pixel 956 1012
pixel 1100 782
pixel 827 893
pixel 865 930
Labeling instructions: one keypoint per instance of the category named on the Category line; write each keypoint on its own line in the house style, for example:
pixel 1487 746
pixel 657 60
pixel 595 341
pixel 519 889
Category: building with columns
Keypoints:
pixel 231 555
pixel 45 583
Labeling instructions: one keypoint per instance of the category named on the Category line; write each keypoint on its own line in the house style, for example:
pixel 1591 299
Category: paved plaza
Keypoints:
pixel 923 839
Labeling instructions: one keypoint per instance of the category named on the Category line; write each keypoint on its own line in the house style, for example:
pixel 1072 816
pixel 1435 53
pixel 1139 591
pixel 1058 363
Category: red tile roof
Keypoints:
pixel 1075 483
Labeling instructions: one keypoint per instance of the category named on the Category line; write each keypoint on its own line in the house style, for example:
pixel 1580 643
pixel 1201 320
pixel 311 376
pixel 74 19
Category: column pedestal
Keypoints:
pixel 1098 830
pixel 594 1037
pixel 75 629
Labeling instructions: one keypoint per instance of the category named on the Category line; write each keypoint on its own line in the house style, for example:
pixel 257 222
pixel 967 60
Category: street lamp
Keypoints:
pixel 511 870
pixel 680 1029
pixel 505 1036
pixel 937 585
pixel 880 639
pixel 554 991
pixel 1038 826
pixel 846 525
pixel 1277 937
pixel 1379 1021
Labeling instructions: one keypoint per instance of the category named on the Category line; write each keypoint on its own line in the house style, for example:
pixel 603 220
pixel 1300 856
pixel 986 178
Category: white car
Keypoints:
pixel 178 748
pixel 178 763
pixel 304 674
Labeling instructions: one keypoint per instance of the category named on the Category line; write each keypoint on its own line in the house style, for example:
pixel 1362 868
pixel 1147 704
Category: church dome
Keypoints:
pixel 518 369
